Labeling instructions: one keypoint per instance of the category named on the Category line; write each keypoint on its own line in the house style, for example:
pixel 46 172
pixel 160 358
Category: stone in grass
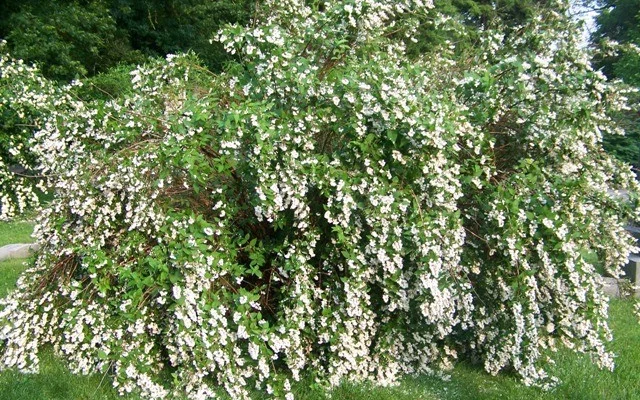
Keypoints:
pixel 18 250
pixel 611 287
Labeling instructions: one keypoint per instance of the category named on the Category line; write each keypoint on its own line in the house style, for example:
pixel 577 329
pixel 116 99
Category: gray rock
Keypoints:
pixel 19 250
pixel 619 194
pixel 610 287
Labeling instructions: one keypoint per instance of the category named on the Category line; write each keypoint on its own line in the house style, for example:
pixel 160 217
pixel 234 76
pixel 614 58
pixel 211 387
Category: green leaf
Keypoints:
pixel 392 135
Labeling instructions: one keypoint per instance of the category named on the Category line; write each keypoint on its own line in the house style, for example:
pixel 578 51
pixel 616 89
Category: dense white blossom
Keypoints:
pixel 324 208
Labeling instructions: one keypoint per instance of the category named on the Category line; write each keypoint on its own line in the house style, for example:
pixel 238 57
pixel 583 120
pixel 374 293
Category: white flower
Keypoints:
pixel 177 292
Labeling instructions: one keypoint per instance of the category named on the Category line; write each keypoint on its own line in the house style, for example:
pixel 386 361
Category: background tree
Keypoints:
pixel 619 21
pixel 71 39
pixel 159 27
pixel 476 15
pixel 67 39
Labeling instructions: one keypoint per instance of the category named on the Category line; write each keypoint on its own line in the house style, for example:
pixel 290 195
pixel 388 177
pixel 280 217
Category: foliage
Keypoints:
pixel 160 27
pixel 618 39
pixel 66 39
pixel 477 15
pixel 327 207
pixel 115 82
pixel 71 39
pixel 618 21
pixel 627 147
pixel 27 100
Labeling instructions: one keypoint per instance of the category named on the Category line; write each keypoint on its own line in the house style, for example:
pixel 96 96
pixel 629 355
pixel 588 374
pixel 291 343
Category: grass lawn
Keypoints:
pixel 580 379
pixel 10 270
pixel 15 232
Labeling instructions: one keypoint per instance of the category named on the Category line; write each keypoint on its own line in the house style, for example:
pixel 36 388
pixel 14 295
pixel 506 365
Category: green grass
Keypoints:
pixel 580 379
pixel 10 270
pixel 54 382
pixel 15 232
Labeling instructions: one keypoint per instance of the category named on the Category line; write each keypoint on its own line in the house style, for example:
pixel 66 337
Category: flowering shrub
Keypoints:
pixel 328 208
pixel 26 100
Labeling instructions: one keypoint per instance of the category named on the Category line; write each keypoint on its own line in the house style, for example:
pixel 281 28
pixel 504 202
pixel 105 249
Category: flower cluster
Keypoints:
pixel 327 208
pixel 27 101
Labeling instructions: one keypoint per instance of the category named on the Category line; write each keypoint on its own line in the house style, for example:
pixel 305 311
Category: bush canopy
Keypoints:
pixel 326 208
